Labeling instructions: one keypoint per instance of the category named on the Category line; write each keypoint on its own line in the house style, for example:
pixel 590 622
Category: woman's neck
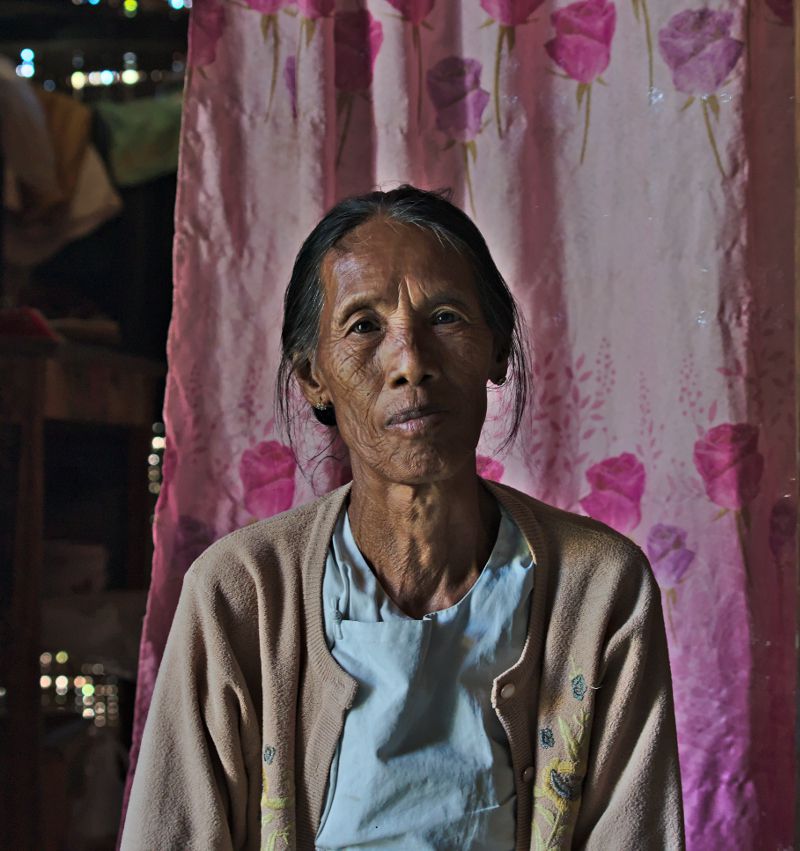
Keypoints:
pixel 427 544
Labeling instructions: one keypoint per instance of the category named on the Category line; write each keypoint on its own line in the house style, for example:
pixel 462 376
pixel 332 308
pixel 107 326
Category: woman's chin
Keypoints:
pixel 423 465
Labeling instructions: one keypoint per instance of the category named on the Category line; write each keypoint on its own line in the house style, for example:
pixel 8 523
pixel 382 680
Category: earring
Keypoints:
pixel 324 414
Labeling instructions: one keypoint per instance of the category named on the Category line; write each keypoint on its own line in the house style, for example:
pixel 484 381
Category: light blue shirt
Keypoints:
pixel 423 761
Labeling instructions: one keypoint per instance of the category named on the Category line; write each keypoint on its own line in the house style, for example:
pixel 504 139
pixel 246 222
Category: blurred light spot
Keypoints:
pixel 77 79
pixel 45 658
pixel 26 54
pixel 25 70
pixel 130 76
pixel 106 77
pixel 153 460
pixel 45 681
pixel 88 713
pixel 62 681
pixel 159 443
pixel 87 689
pixel 49 85
pixel 62 657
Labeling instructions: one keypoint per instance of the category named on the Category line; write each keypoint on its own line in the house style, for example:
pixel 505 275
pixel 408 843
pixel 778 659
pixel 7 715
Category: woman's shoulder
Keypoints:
pixel 572 541
pixel 277 545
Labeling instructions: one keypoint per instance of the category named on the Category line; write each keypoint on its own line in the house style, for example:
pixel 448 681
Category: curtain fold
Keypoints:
pixel 632 168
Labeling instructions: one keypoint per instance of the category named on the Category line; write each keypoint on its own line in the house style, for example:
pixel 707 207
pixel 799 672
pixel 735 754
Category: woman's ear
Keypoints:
pixel 311 384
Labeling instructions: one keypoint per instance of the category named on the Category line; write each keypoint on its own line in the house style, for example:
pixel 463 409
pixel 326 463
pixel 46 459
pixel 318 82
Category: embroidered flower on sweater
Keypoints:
pixel 579 687
pixel 556 795
pixel 559 782
pixel 274 824
pixel 269 754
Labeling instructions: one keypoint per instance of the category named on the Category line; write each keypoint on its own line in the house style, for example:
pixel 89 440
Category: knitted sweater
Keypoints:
pixel 249 704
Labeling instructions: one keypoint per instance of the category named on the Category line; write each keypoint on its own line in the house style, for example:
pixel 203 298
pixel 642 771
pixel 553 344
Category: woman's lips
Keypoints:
pixel 414 420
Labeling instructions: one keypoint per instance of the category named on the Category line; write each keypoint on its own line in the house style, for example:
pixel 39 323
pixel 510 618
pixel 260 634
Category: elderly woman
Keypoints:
pixel 421 658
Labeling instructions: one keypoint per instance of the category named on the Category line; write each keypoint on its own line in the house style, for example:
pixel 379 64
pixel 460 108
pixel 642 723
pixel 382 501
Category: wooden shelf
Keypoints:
pixel 44 381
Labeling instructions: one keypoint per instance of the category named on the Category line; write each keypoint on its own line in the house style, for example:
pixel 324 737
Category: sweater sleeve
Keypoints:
pixel 631 795
pixel 197 781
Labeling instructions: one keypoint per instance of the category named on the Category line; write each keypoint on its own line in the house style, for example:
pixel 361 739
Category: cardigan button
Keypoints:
pixel 527 775
pixel 508 691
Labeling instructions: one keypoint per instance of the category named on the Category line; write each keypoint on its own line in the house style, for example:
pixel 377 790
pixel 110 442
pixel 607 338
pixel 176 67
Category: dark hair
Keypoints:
pixel 433 211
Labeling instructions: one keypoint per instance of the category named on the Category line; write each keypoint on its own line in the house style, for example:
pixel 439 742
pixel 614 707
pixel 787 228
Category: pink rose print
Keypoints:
pixel 267 474
pixel 670 559
pixel 290 78
pixel 206 26
pixel 730 464
pixel 490 469
pixel 582 47
pixel 668 554
pixel 415 12
pixel 617 487
pixel 310 12
pixel 454 87
pixel 508 14
pixel 315 9
pixel 357 38
pixel 783 10
pixel 697 46
pixel 192 537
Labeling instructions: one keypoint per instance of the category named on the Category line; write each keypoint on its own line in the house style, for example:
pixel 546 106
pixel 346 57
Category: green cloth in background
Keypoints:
pixel 143 137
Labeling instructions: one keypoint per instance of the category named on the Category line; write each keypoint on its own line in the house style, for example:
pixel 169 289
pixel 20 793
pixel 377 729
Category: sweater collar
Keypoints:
pixel 518 505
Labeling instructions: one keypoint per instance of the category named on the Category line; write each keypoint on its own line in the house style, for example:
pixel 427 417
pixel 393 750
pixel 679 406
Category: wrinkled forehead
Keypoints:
pixel 381 254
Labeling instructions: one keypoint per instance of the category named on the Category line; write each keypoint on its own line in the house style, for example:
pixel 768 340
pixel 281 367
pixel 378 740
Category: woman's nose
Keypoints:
pixel 410 356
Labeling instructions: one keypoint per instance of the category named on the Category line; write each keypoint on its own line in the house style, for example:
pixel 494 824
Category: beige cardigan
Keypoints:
pixel 249 703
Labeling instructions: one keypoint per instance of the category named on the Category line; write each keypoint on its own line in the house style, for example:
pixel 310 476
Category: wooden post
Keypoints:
pixel 22 412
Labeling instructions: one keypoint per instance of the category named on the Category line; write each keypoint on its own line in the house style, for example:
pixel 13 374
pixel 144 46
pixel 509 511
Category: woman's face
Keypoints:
pixel 404 354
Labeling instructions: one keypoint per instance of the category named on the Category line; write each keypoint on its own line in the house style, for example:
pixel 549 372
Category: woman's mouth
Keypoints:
pixel 416 419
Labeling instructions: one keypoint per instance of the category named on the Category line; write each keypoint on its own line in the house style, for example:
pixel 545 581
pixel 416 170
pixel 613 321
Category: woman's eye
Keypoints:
pixel 363 326
pixel 445 317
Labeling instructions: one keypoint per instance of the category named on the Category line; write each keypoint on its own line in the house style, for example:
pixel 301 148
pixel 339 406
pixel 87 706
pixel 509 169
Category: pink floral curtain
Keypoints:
pixel 630 165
